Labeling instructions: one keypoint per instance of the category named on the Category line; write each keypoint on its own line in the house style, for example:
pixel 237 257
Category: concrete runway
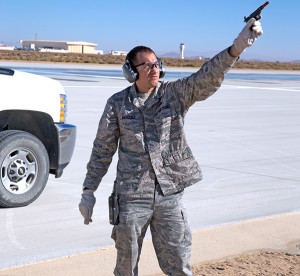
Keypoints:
pixel 245 138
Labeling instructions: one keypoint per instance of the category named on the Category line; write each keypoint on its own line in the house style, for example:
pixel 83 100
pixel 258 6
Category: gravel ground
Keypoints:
pixel 258 264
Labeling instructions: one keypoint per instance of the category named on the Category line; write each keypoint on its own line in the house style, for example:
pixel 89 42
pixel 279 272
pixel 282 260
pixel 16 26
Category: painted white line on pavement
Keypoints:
pixel 10 229
pixel 262 88
pixel 93 86
pixel 55 73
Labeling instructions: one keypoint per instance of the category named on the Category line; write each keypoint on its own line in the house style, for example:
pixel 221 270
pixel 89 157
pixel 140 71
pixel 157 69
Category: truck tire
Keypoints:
pixel 24 165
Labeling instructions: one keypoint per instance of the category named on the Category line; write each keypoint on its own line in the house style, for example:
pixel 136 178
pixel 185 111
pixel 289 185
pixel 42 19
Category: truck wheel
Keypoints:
pixel 24 165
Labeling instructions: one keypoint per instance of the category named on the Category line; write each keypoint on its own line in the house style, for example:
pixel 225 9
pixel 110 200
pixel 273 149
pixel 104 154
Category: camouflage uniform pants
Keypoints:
pixel 171 235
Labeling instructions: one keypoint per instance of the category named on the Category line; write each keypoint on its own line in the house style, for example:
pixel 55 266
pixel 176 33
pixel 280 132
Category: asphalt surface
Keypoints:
pixel 245 138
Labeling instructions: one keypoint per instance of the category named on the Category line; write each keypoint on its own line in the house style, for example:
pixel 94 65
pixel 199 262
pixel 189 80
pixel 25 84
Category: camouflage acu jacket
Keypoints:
pixel 151 142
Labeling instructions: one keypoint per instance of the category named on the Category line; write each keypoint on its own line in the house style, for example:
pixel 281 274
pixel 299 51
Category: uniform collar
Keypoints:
pixel 134 98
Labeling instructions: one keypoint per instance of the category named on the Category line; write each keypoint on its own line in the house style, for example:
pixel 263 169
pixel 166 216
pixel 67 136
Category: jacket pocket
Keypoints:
pixel 167 124
pixel 165 115
pixel 180 166
pixel 170 158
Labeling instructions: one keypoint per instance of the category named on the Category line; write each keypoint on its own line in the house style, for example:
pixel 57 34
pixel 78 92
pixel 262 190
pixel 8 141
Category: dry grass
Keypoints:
pixel 30 56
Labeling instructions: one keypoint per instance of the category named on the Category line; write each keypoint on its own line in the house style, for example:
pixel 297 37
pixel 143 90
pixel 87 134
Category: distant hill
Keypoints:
pixel 170 55
pixel 176 55
pixel 253 59
pixel 209 54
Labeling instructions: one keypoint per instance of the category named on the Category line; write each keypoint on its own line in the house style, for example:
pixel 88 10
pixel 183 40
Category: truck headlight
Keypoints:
pixel 63 108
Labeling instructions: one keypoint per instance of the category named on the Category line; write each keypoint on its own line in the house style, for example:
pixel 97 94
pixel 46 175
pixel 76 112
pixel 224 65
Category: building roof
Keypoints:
pixel 67 42
pixel 81 43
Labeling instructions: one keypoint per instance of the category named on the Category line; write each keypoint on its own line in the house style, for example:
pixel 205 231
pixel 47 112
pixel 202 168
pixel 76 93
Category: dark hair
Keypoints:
pixel 138 49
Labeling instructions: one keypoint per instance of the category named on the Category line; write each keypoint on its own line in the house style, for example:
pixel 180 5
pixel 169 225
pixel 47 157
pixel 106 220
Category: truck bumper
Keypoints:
pixel 66 144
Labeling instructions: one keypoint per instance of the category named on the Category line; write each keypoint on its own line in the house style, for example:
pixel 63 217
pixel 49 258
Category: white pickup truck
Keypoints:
pixel 34 138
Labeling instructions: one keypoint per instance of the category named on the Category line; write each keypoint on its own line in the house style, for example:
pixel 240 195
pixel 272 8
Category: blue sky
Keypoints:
pixel 205 27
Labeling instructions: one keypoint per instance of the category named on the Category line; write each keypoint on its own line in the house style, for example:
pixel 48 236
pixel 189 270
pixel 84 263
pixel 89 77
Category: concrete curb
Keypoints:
pixel 209 245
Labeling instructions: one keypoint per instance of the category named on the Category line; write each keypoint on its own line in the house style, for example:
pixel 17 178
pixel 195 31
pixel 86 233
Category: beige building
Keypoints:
pixel 60 46
pixel 118 53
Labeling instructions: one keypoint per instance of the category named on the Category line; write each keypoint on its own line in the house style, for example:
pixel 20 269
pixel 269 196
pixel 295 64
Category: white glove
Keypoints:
pixel 86 205
pixel 247 36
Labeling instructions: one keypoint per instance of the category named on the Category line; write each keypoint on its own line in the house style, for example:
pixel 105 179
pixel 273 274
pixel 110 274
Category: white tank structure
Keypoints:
pixel 181 50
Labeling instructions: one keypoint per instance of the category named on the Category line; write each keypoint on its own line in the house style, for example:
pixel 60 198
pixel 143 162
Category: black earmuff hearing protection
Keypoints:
pixel 131 74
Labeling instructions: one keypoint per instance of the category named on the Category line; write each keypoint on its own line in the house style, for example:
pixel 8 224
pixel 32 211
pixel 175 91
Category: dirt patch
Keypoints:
pixel 256 264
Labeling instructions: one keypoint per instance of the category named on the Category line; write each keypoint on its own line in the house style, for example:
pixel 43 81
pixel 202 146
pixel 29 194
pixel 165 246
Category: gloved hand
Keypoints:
pixel 247 37
pixel 86 205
